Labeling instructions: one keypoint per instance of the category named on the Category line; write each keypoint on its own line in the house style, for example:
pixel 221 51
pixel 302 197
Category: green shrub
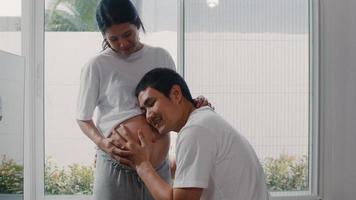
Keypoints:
pixel 286 173
pixel 11 176
pixel 75 179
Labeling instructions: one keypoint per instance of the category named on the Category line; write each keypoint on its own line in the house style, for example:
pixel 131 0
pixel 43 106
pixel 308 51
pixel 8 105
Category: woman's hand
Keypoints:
pixel 106 144
pixel 115 150
pixel 202 101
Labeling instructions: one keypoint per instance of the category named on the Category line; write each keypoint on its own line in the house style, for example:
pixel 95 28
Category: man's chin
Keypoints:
pixel 162 131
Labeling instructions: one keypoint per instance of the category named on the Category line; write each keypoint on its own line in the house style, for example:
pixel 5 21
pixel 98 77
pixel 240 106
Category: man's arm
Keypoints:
pixel 140 157
pixel 161 190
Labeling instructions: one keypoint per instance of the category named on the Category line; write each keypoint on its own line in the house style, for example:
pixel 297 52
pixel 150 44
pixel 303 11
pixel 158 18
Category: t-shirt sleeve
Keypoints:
pixel 195 157
pixel 88 92
pixel 171 64
pixel 168 60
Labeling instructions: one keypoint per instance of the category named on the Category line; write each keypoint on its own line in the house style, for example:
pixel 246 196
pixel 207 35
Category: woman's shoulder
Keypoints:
pixel 161 55
pixel 156 49
pixel 104 55
pixel 98 59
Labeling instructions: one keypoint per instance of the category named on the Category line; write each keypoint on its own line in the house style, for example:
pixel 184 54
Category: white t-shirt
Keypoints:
pixel 108 82
pixel 212 155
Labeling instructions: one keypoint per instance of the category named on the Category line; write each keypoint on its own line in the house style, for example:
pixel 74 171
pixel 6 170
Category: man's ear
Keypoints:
pixel 175 93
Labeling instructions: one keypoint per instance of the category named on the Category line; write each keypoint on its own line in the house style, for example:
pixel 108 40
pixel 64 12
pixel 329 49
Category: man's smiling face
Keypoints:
pixel 161 111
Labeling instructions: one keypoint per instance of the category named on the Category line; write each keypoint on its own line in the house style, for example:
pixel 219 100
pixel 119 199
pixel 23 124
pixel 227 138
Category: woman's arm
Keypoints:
pixel 105 144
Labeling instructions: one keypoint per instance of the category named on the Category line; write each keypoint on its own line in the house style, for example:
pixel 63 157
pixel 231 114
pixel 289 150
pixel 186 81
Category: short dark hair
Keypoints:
pixel 111 12
pixel 163 79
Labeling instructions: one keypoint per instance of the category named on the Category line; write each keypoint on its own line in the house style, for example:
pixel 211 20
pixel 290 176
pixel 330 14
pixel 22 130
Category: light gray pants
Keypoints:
pixel 117 182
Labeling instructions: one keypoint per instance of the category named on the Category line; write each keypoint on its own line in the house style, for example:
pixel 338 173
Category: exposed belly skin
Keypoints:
pixel 161 142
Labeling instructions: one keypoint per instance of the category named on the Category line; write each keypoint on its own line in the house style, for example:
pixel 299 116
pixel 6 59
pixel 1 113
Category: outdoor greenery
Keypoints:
pixel 71 15
pixel 286 173
pixel 11 176
pixel 74 15
pixel 75 179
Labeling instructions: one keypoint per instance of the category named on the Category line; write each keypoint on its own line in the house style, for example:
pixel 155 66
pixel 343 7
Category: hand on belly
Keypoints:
pixel 159 143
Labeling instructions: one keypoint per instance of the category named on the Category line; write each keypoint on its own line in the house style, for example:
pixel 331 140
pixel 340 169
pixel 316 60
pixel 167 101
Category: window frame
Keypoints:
pixel 315 137
pixel 33 50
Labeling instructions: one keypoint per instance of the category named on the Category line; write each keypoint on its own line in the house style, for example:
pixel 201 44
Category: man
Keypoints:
pixel 213 160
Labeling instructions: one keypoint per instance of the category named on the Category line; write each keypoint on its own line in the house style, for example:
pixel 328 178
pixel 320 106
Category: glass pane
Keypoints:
pixel 160 20
pixel 71 39
pixel 12 70
pixel 252 58
pixel 10 26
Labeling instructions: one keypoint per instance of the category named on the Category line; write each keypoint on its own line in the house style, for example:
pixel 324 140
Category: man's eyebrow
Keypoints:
pixel 143 105
pixel 149 102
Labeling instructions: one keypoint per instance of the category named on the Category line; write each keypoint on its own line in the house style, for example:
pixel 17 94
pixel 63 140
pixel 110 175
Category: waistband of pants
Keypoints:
pixel 124 167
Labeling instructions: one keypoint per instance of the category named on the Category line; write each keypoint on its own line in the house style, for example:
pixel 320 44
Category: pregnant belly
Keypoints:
pixel 161 142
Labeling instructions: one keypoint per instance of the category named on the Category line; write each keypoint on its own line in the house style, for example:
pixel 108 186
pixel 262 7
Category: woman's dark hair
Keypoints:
pixel 163 79
pixel 111 12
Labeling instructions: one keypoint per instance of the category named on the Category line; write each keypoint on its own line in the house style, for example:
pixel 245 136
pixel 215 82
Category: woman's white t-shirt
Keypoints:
pixel 108 81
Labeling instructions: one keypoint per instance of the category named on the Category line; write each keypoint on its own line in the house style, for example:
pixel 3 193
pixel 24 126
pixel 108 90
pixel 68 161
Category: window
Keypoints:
pixel 257 53
pixel 251 59
pixel 71 38
pixel 12 69
pixel 11 125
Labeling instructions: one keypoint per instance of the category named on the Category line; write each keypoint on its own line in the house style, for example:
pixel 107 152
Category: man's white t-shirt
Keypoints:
pixel 108 82
pixel 212 155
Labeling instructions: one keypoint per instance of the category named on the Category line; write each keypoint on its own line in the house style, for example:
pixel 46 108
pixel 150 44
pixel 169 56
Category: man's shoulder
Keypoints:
pixel 202 120
pixel 204 116
pixel 209 121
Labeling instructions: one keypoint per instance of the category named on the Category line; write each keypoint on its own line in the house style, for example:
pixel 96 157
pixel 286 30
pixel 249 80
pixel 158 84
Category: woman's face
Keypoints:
pixel 123 38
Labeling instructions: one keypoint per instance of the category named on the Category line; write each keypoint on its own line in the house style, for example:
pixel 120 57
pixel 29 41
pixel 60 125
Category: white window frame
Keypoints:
pixel 33 49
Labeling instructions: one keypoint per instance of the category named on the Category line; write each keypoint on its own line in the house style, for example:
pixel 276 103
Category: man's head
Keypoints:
pixel 165 98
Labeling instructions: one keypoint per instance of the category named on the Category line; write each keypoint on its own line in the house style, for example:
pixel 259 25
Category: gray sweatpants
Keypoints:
pixel 117 182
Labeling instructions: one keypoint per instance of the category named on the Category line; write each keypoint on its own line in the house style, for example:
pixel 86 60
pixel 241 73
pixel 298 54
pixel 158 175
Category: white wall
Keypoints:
pixel 12 101
pixel 338 44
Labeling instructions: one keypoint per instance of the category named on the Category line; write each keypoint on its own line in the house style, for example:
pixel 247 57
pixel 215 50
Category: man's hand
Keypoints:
pixel 139 154
pixel 139 151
